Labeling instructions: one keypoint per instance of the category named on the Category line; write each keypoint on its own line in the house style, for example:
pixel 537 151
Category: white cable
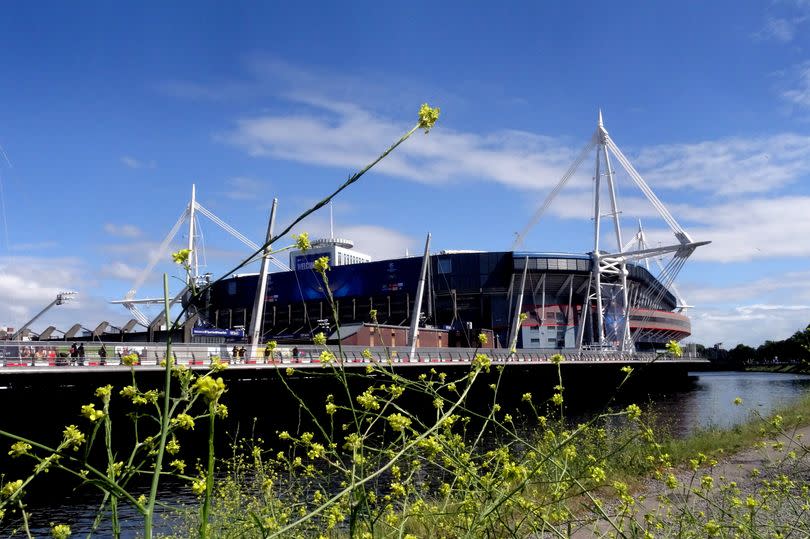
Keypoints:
pixel 539 213
pixel 636 177
pixel 238 235
pixel 157 256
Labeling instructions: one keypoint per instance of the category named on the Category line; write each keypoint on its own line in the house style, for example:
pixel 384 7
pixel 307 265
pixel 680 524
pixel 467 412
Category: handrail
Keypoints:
pixel 55 354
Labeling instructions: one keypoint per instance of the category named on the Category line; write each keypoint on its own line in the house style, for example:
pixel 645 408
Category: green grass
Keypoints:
pixel 715 440
pixel 791 369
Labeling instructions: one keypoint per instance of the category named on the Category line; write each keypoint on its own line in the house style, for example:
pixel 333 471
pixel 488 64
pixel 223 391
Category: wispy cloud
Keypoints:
pixel 342 134
pixel 779 29
pixel 27 284
pixel 122 231
pixel 120 270
pixel 780 287
pixel 728 166
pixel 760 323
pixel 798 93
pixel 745 230
pixel 134 163
pixel 248 189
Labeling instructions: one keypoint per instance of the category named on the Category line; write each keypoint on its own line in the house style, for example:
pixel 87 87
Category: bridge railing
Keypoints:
pixel 57 354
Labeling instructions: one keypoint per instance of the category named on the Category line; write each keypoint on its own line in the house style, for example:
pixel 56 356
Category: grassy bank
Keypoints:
pixel 790 369
pixel 715 440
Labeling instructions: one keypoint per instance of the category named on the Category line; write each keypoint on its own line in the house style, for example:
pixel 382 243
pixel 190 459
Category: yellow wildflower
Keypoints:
pixel 428 116
pixel 10 488
pixel 183 421
pixel 302 241
pixel 181 256
pixel 674 348
pixel 209 388
pixel 19 449
pixel 72 437
pixel 321 265
pixel 89 411
pixel 399 422
pixel 60 531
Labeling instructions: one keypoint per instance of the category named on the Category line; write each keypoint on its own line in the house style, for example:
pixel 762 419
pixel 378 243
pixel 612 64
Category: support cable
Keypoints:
pixel 157 256
pixel 554 192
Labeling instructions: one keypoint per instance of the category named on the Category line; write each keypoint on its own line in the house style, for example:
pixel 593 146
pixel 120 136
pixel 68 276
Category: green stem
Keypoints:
pixel 209 474
pixel 25 519
pixel 116 527
pixel 164 421
pixel 353 178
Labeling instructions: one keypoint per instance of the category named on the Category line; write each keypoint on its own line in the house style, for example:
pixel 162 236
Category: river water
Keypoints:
pixel 708 401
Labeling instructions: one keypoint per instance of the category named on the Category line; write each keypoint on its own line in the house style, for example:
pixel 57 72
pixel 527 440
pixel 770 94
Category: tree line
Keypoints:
pixel 795 349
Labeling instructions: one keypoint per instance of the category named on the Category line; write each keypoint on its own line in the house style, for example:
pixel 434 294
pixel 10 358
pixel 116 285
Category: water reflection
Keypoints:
pixel 710 400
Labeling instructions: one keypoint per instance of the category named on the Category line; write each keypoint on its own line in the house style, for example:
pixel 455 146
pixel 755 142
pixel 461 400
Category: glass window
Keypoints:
pixel 231 288
pixel 445 266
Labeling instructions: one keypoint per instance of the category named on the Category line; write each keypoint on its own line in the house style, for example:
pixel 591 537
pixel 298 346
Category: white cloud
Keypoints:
pixel 29 284
pixel 779 29
pixel 727 166
pixel 122 231
pixel 748 324
pixel 344 135
pixel 333 133
pixel 751 311
pixel 782 287
pixel 120 270
pixel 746 230
pixel 799 92
pixel 134 163
pixel 247 189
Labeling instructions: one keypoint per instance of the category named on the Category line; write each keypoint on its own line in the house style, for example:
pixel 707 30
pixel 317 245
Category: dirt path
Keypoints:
pixel 655 499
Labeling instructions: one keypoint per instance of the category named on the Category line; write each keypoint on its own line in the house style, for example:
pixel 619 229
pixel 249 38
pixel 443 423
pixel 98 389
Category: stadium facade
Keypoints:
pixel 465 293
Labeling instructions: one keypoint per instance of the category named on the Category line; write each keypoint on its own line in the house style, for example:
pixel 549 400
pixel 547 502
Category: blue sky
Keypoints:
pixel 110 111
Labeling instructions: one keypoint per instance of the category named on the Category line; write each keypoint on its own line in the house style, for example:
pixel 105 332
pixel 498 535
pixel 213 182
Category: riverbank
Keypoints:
pixel 748 480
pixel 788 369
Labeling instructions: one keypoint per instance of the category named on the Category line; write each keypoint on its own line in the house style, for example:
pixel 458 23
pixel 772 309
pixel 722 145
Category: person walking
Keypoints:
pixel 80 353
pixel 74 353
pixel 102 355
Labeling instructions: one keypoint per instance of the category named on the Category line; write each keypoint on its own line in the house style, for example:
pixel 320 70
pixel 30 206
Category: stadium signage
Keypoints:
pixel 214 332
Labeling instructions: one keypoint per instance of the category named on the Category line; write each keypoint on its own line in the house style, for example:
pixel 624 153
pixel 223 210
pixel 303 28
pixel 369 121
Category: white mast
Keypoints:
pixel 513 336
pixel 193 260
pixel 416 312
pixel 261 287
pixel 331 223
pixel 609 269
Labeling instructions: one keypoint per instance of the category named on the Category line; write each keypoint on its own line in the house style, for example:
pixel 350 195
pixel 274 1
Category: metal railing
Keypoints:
pixel 56 354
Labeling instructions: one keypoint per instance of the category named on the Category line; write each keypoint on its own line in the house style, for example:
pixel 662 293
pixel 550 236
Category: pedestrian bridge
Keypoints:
pixel 38 356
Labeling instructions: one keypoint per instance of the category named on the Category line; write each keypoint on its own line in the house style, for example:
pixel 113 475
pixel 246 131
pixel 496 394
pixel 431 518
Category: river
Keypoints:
pixel 709 401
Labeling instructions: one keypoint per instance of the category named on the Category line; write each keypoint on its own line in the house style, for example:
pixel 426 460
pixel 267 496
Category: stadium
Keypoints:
pixel 604 299
pixel 465 292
